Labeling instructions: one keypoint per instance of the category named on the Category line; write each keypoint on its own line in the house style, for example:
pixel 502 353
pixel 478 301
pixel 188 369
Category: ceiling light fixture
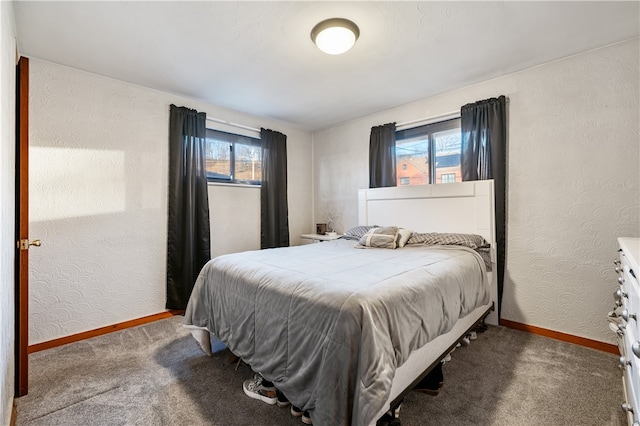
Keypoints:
pixel 335 36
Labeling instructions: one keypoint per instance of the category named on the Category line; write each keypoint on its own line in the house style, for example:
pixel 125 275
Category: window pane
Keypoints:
pixel 248 162
pixel 218 159
pixel 447 178
pixel 425 153
pixel 412 161
pixel 448 156
pixel 232 157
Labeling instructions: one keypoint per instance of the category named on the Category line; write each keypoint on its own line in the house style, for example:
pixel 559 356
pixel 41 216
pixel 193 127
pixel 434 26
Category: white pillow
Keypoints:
pixel 403 236
pixel 385 237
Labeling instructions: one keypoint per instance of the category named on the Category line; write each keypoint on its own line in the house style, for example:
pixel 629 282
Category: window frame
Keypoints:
pixel 429 130
pixel 233 139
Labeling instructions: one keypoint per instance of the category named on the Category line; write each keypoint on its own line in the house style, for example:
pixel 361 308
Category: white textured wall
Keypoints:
pixel 7 208
pixel 573 180
pixel 240 228
pixel 98 197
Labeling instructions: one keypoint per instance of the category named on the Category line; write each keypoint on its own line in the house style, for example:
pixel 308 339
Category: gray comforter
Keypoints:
pixel 329 323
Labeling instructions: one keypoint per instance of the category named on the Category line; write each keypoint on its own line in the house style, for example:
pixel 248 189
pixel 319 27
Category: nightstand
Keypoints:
pixel 320 237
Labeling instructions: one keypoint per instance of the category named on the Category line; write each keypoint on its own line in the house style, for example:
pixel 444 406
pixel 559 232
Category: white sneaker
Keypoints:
pixel 306 418
pixel 253 389
pixel 295 411
pixel 396 412
pixel 282 400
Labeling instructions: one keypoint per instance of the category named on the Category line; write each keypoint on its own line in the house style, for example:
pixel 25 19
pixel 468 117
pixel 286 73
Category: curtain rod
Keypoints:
pixel 229 123
pixel 429 120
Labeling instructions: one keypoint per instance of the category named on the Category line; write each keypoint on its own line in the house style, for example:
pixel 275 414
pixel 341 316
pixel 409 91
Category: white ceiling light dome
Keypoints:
pixel 335 36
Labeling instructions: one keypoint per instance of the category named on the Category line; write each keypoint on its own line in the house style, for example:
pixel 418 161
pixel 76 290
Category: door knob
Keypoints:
pixel 24 244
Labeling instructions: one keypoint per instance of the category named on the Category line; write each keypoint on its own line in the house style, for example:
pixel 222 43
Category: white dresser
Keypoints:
pixel 626 323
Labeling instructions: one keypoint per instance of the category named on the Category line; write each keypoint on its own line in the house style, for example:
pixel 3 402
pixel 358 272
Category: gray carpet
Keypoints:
pixel 156 375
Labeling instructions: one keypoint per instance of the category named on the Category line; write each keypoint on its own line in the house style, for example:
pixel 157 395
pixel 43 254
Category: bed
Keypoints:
pixel 345 332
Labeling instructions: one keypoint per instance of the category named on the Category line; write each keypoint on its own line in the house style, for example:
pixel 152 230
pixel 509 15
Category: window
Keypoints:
pixel 447 178
pixel 233 158
pixel 429 154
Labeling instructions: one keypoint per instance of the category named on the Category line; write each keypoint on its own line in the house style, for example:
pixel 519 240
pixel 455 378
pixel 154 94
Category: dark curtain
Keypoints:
pixel 274 210
pixel 188 245
pixel 484 156
pixel 382 156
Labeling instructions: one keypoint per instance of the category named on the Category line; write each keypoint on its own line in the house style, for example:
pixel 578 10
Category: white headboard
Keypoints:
pixel 465 207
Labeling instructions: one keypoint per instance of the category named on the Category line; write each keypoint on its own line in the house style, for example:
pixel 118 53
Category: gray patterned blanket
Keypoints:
pixel 329 324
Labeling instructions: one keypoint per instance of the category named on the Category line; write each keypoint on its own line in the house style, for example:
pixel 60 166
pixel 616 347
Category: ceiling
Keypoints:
pixel 258 58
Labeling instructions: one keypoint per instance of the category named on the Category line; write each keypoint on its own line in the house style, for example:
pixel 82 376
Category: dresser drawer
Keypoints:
pixel 628 316
pixel 630 363
pixel 631 379
pixel 626 405
pixel 631 299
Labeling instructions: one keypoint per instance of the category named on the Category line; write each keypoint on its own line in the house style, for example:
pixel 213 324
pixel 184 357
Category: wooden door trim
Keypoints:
pixel 22 227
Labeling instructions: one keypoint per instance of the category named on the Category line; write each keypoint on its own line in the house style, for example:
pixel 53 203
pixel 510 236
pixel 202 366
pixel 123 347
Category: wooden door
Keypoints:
pixel 22 227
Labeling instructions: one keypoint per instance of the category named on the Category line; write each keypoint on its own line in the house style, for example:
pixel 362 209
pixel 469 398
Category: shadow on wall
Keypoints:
pixel 508 297
pixel 101 215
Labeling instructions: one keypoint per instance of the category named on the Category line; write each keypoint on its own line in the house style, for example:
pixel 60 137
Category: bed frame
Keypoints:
pixel 465 207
